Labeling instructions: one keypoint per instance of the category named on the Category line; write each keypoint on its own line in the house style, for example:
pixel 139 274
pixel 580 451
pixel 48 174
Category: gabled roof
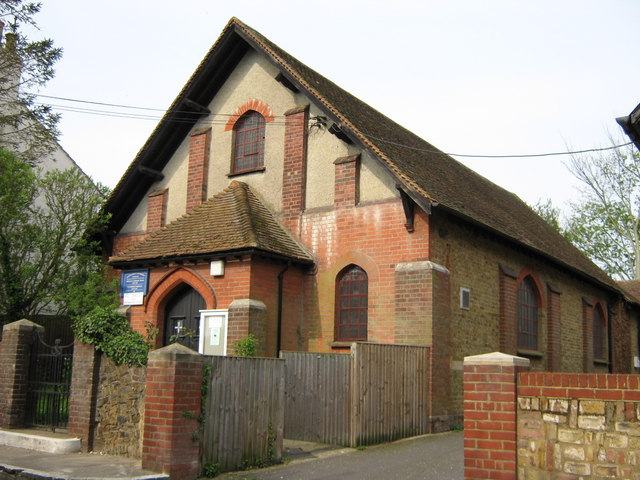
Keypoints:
pixel 233 221
pixel 430 177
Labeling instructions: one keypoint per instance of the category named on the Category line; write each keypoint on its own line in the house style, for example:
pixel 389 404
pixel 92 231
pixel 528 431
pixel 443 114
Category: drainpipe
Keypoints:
pixel 279 326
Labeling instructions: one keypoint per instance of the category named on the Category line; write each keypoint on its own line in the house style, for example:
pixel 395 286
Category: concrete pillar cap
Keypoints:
pixel 174 352
pixel 23 324
pixel 497 358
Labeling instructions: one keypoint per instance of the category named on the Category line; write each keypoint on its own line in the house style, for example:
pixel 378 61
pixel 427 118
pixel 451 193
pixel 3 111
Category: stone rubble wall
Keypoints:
pixel 574 426
pixel 119 409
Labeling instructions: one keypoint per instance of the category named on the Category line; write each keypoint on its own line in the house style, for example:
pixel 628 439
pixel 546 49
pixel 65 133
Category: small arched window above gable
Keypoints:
pixel 248 142
pixel 352 303
pixel 527 311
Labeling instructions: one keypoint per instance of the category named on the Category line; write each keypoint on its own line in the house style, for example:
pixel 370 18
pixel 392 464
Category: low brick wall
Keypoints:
pixel 566 425
pixel 578 425
pixel 119 409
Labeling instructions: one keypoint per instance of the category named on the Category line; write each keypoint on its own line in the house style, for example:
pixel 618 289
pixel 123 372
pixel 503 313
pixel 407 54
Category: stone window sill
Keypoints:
pixel 341 345
pixel 530 353
pixel 244 172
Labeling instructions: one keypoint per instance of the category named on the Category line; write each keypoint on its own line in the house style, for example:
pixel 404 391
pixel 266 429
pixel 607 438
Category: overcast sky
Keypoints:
pixel 490 77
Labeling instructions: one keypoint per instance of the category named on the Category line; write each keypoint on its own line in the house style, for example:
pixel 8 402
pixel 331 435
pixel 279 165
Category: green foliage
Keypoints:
pixel 111 334
pixel 210 469
pixel 26 127
pixel 246 347
pixel 549 213
pixel 270 455
pixel 48 259
pixel 604 222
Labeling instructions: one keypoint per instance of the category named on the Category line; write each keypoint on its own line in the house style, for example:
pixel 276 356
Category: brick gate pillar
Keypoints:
pixel 84 389
pixel 174 380
pixel 490 423
pixel 15 354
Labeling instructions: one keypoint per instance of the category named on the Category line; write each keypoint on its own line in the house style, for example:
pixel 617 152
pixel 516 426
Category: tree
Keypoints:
pixel 605 222
pixel 48 259
pixel 550 213
pixel 26 127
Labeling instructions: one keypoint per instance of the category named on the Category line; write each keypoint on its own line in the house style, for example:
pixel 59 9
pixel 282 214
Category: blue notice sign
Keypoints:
pixel 134 281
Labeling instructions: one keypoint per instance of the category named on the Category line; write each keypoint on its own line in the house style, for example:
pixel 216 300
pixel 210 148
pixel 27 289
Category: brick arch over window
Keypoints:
pixel 253 104
pixel 163 289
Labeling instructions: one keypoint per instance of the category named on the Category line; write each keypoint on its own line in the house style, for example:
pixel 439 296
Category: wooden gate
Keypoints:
pixel 49 384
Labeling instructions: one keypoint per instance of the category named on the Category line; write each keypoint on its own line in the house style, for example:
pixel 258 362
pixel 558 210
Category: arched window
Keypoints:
pixel 352 300
pixel 599 334
pixel 248 146
pixel 527 315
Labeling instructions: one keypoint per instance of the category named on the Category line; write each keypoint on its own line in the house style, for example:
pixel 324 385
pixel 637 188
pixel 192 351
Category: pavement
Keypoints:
pixel 329 462
pixel 33 464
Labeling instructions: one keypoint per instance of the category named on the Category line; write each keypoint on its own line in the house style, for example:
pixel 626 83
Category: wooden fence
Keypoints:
pixel 317 400
pixel 243 418
pixel 376 393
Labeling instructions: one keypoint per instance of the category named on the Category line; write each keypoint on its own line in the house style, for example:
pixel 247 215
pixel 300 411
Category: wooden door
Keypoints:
pixel 182 318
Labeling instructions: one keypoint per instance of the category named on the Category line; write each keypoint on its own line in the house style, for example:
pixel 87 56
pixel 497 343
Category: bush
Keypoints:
pixel 110 332
pixel 246 347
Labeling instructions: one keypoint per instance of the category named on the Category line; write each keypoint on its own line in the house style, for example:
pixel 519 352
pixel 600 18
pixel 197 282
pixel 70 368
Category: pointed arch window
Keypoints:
pixel 527 309
pixel 352 302
pixel 248 142
pixel 599 334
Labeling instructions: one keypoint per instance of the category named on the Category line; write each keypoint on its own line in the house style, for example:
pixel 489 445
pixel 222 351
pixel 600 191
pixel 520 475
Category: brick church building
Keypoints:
pixel 270 201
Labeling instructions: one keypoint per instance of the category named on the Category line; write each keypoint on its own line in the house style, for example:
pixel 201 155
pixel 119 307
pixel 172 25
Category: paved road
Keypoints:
pixel 437 457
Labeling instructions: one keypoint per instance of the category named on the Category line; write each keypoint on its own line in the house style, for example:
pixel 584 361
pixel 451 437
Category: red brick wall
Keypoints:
pixel 84 385
pixel 124 241
pixel 295 166
pixel 490 416
pixel 174 379
pixel 199 152
pixel 372 236
pixel 156 210
pixel 347 181
pixel 15 349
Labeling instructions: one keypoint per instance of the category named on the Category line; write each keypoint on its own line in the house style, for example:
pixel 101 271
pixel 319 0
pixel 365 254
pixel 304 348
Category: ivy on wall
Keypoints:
pixel 110 332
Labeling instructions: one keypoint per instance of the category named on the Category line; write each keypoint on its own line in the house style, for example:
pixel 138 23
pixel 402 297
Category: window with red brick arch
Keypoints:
pixel 248 142
pixel 352 303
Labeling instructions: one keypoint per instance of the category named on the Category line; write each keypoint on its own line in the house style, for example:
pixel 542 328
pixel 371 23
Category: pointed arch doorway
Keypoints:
pixel 182 317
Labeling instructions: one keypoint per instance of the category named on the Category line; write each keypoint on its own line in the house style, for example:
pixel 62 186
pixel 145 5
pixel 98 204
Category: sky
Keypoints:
pixel 490 77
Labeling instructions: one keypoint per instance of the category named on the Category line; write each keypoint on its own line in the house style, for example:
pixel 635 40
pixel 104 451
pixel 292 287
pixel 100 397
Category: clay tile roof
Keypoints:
pixel 632 288
pixel 234 220
pixel 431 177
pixel 435 175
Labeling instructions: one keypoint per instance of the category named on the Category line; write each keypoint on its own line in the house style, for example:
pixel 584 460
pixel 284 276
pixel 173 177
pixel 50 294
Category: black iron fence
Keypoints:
pixel 49 384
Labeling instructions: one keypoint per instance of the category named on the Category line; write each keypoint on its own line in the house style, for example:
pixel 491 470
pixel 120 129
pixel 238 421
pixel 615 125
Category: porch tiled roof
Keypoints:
pixel 234 220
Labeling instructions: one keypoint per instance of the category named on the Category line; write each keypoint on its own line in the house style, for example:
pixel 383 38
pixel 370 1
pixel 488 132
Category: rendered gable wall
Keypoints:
pixel 254 78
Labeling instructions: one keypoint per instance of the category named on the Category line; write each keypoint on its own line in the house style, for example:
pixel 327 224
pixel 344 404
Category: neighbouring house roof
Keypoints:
pixel 632 287
pixel 430 177
pixel 631 125
pixel 234 220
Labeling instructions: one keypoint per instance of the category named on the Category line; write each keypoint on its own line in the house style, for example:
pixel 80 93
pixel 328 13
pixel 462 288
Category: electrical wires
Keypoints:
pixel 156 114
